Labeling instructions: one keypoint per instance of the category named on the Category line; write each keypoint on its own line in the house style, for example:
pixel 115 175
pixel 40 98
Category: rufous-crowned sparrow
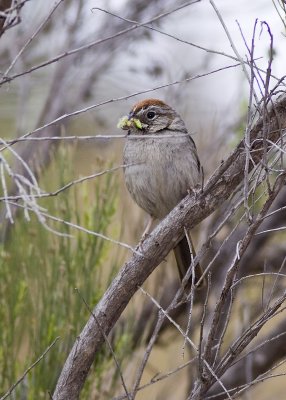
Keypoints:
pixel 161 169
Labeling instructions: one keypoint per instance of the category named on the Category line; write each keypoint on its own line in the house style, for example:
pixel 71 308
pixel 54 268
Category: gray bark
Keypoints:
pixel 190 211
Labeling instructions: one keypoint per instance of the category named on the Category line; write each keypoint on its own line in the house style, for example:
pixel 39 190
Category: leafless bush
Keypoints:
pixel 231 332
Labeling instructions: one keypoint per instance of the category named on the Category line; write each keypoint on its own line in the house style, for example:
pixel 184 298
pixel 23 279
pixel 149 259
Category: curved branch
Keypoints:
pixel 189 212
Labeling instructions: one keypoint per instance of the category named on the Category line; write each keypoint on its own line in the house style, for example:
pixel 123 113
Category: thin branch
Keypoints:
pixel 96 43
pixel 32 37
pixel 68 185
pixel 12 388
pixel 109 101
pixel 189 212
pixel 80 228
pixel 233 45
pixel 159 378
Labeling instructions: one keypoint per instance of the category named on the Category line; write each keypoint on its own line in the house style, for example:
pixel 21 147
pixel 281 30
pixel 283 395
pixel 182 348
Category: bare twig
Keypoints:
pixel 12 388
pixel 187 214
pixel 32 37
pixel 80 228
pixel 66 186
pixel 62 118
pixel 96 42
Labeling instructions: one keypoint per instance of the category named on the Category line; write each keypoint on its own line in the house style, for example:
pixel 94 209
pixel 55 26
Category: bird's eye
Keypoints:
pixel 151 114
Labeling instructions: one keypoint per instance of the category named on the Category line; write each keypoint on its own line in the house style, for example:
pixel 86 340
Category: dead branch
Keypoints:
pixel 192 210
pixel 57 103
pixel 216 334
pixel 13 387
pixel 266 353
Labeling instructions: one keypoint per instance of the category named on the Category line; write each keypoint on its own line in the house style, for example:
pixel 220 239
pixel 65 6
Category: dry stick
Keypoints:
pixel 192 292
pixel 205 246
pixel 12 388
pixel 64 138
pixel 232 45
pixel 32 37
pixel 265 342
pixel 265 101
pixel 263 287
pixel 81 228
pixel 107 342
pixel 83 110
pixel 262 274
pixel 239 345
pixel 4 186
pixel 208 351
pixel 148 350
pixel 96 42
pixel 14 20
pixel 156 378
pixel 266 356
pixel 218 252
pixel 4 14
pixel 228 213
pixel 120 33
pixel 177 326
pixel 254 332
pixel 226 239
pixel 190 211
pixel 20 183
pixel 68 185
pixel 89 137
pixel 275 283
pixel 258 70
pixel 25 165
pixel 225 326
pixel 282 228
pixel 207 50
pixel 242 388
pixel 248 125
pixel 202 324
pixel 282 5
pixel 219 343
pixel 163 314
pixel 261 378
pixel 275 212
pixel 245 339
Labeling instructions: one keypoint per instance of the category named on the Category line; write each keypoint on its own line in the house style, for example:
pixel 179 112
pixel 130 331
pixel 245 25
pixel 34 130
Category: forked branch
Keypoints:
pixel 190 212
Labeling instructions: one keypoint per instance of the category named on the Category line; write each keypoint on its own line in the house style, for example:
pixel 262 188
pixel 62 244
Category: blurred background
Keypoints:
pixel 184 58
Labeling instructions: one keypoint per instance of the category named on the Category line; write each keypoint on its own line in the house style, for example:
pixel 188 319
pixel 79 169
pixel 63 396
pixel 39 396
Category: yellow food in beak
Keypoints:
pixel 126 123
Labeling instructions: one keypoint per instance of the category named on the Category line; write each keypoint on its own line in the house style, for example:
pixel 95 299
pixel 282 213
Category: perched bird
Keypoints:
pixel 164 165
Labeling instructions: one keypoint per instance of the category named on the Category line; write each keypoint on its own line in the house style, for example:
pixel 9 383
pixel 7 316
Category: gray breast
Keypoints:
pixel 162 173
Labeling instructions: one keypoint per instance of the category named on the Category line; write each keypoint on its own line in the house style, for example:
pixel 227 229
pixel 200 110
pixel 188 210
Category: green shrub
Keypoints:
pixel 39 272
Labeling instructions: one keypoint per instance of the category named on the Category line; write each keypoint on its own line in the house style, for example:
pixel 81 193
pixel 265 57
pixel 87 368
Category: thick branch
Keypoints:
pixel 190 212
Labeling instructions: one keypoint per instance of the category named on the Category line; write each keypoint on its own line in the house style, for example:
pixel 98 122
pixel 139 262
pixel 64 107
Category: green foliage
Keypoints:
pixel 39 272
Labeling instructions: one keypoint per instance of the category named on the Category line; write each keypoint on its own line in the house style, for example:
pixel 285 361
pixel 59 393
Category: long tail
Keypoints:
pixel 184 260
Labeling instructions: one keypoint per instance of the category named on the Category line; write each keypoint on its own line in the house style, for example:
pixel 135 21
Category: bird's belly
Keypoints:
pixel 157 185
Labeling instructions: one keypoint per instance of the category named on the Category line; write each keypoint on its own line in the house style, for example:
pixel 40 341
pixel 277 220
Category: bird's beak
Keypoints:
pixel 126 123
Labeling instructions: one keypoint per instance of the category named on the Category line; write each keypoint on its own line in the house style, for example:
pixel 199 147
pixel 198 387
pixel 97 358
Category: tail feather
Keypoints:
pixel 183 255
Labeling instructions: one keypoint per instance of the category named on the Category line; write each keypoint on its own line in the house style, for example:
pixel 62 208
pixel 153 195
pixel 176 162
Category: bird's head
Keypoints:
pixel 149 117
